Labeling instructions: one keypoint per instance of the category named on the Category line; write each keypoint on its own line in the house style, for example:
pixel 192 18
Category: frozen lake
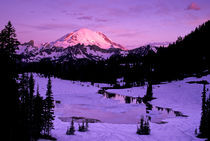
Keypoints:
pixel 174 114
pixel 80 99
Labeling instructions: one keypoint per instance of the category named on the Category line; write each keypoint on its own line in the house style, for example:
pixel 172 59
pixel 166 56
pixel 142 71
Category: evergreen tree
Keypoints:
pixel 196 132
pixel 86 124
pixel 28 109
pixel 208 117
pixel 24 106
pixel 8 75
pixel 144 128
pixel 141 127
pixel 49 109
pixel 203 123
pixel 8 44
pixel 31 86
pixel 38 120
pixel 83 127
pixel 32 108
pixel 23 89
pixel 27 106
pixel 71 130
pixel 31 104
pixel 149 93
pixel 149 90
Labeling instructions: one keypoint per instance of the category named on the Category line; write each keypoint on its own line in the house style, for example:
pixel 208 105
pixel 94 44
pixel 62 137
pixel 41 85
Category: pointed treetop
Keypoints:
pixel 37 91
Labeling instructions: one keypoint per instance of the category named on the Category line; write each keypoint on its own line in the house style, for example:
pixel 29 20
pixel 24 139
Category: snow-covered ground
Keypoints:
pixel 119 120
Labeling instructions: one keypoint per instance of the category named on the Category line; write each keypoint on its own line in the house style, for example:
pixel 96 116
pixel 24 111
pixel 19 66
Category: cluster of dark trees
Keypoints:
pixel 188 55
pixel 205 115
pixel 82 128
pixel 36 113
pixel 143 128
pixel 28 116
pixel 185 57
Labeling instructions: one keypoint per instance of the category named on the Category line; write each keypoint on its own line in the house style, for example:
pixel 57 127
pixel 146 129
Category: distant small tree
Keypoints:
pixel 149 93
pixel 140 128
pixel 179 39
pixel 86 124
pixel 149 90
pixel 83 127
pixel 143 128
pixel 146 127
pixel 196 131
pixel 71 130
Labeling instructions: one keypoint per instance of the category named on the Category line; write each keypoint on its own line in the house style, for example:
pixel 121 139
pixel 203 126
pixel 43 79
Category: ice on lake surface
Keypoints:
pixel 80 99
pixel 178 105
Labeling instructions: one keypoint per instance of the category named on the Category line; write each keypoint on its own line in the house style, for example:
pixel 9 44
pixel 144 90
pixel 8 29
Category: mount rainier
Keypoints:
pixel 80 44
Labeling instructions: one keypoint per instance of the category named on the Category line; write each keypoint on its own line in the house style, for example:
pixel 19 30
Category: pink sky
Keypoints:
pixel 131 23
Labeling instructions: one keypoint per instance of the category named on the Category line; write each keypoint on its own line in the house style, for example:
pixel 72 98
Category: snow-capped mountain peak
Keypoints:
pixel 87 37
pixel 80 44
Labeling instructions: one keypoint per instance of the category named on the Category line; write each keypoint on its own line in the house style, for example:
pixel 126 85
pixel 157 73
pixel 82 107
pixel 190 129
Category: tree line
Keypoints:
pixel 185 57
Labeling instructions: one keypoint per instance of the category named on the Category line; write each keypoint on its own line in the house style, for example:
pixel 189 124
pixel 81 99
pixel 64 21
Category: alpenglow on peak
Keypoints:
pixel 87 37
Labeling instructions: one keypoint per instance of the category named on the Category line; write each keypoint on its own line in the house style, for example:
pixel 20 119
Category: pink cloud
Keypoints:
pixel 193 6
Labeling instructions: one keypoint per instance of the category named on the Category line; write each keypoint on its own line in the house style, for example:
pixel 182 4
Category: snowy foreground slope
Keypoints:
pixel 119 120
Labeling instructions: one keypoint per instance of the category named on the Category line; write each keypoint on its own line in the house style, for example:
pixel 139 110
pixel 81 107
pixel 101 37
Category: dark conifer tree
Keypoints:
pixel 146 127
pixel 31 104
pixel 143 128
pixel 86 124
pixel 23 88
pixel 208 117
pixel 83 127
pixel 149 93
pixel 203 122
pixel 38 120
pixel 31 90
pixel 71 130
pixel 49 109
pixel 8 45
pixel 28 109
pixel 149 90
pixel 24 106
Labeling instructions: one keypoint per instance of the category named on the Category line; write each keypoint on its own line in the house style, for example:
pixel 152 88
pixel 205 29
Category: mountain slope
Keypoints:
pixel 87 37
pixel 80 44
pixel 29 53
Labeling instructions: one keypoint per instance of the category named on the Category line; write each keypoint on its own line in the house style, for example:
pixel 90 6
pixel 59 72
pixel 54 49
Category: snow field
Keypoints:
pixel 81 99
